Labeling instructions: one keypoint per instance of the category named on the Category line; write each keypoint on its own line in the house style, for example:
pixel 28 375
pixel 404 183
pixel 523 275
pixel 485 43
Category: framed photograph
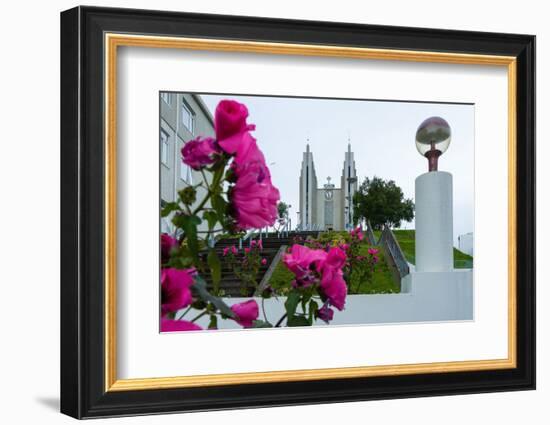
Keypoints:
pixel 261 212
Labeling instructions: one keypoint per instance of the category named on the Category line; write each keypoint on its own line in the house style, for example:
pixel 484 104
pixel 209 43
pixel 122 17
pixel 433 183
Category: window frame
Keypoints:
pixel 164 148
pixel 190 124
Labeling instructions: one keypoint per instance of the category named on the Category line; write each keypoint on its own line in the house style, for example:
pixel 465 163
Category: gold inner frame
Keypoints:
pixel 113 41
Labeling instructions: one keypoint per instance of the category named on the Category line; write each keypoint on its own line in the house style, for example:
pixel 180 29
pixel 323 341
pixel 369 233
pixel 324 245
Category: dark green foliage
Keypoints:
pixel 282 209
pixel 382 203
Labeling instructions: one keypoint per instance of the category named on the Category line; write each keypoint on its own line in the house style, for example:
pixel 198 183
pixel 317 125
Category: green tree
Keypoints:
pixel 282 209
pixel 382 203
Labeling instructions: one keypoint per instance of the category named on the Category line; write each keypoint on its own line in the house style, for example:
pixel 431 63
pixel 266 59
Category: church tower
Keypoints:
pixel 349 187
pixel 328 207
pixel 308 191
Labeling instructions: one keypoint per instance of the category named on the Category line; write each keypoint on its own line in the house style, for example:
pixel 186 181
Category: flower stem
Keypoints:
pixel 278 325
pixel 199 316
pixel 215 182
pixel 185 312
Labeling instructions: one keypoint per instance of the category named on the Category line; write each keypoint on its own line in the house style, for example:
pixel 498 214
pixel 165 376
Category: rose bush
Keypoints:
pixel 245 265
pixel 238 195
pixel 318 278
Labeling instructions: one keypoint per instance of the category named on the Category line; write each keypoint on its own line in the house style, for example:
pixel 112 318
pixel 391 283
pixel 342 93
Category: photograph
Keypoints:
pixel 279 211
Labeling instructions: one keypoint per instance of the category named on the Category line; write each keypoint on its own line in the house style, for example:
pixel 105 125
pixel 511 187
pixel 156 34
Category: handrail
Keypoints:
pixel 388 241
pixel 267 276
pixel 371 239
pixel 245 237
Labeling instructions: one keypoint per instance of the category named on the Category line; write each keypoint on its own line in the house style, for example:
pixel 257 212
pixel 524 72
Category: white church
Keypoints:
pixel 328 207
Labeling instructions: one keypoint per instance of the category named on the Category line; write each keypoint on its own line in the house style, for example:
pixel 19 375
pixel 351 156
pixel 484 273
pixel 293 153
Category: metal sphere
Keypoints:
pixel 434 134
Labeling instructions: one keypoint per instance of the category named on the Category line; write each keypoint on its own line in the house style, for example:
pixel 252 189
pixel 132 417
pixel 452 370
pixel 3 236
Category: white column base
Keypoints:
pixel 434 222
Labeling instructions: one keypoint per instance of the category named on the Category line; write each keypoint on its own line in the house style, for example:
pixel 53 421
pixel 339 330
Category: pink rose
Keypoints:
pixel 199 152
pixel 167 244
pixel 325 313
pixel 247 250
pixel 230 123
pixel 333 284
pixel 175 289
pixel 252 244
pixel 234 250
pixel 373 251
pixel 248 151
pixel 260 244
pixel 225 251
pixel 334 287
pixel 253 197
pixel 300 259
pixel 357 233
pixel 264 261
pixel 246 312
pixel 336 258
pixel 167 325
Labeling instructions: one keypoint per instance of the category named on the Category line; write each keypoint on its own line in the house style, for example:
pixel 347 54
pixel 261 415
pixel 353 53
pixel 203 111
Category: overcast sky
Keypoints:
pixel 382 137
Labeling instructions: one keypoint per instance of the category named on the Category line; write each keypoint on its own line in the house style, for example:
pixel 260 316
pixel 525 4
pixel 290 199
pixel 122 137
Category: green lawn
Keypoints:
pixel 381 283
pixel 406 242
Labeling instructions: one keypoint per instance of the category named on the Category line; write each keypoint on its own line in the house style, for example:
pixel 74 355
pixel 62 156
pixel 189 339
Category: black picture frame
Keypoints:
pixel 83 392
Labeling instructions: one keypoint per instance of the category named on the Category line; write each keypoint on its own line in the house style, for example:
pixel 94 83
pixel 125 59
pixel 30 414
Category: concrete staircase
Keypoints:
pixel 230 284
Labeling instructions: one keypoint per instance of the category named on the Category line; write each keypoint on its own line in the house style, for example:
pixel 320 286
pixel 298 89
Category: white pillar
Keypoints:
pixel 434 222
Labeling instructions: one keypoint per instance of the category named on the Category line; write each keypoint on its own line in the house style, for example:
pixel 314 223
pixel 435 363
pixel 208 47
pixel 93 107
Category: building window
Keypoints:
pixel 185 173
pixel 167 97
pixel 164 140
pixel 187 117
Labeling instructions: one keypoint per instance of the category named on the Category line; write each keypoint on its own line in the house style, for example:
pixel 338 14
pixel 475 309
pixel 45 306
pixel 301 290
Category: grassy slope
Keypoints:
pixel 406 241
pixel 382 282
pixel 382 278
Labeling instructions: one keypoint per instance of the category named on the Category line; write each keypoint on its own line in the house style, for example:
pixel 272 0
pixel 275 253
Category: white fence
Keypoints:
pixel 425 297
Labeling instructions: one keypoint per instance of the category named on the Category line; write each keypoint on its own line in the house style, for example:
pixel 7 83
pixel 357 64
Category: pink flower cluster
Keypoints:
pixel 230 249
pixel 254 244
pixel 258 243
pixel 317 266
pixel 253 197
pixel 176 295
pixel 200 152
pixel 167 244
pixel 357 233
pixel 373 252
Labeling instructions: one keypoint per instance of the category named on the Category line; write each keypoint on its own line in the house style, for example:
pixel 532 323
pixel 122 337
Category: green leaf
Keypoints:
pixel 294 321
pixel 168 208
pixel 200 288
pixel 261 324
pixel 213 322
pixel 189 225
pixel 215 269
pixel 211 217
pixel 305 298
pixel 220 205
pixel 292 302
pixel 313 309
